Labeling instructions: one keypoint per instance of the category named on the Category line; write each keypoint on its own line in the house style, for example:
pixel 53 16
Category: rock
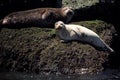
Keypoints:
pixel 76 4
pixel 39 50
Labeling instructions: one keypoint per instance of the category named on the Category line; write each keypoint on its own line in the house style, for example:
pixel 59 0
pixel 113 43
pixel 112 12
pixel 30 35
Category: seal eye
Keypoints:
pixel 62 24
pixel 56 23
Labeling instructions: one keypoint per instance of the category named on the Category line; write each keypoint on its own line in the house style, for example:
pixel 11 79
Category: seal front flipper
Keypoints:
pixel 64 41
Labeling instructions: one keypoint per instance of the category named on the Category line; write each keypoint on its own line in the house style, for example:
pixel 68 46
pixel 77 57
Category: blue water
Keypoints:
pixel 106 75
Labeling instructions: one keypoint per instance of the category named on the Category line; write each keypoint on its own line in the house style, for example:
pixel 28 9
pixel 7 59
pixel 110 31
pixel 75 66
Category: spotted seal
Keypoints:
pixel 72 32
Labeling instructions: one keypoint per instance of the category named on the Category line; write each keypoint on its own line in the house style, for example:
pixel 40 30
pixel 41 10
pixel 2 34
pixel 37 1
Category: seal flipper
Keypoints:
pixel 1 20
pixel 109 49
pixel 1 25
pixel 64 41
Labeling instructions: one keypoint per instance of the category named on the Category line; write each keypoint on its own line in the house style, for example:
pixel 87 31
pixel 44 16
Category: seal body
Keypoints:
pixel 43 17
pixel 71 32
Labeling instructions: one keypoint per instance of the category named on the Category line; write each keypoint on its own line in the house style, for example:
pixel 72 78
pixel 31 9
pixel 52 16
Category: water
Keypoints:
pixel 106 75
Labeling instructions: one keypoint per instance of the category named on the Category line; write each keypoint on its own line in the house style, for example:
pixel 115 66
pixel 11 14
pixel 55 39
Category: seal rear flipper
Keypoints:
pixel 109 49
pixel 106 49
pixel 1 25
pixel 1 21
pixel 64 41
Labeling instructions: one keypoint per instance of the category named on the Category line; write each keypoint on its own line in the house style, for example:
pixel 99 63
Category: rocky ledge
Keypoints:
pixel 39 50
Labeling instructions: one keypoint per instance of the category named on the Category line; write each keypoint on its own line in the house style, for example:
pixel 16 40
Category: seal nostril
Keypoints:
pixel 70 13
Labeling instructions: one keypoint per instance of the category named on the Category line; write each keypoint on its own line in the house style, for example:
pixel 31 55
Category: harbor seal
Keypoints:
pixel 72 32
pixel 43 17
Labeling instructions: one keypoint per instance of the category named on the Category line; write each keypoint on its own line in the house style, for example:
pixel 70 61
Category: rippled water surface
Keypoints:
pixel 106 75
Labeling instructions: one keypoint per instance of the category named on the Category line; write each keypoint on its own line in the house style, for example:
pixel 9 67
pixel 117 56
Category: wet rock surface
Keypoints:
pixel 39 50
pixel 106 75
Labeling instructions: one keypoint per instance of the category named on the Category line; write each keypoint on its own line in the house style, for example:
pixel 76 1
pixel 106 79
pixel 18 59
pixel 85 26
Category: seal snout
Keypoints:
pixel 59 25
pixel 68 11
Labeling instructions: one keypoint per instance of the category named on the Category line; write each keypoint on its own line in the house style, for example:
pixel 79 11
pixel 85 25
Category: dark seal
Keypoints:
pixel 42 17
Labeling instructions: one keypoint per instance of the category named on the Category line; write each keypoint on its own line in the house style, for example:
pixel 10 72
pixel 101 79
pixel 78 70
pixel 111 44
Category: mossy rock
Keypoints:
pixel 39 50
pixel 76 4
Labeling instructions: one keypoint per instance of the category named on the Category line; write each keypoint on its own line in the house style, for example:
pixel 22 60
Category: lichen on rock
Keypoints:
pixel 76 4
